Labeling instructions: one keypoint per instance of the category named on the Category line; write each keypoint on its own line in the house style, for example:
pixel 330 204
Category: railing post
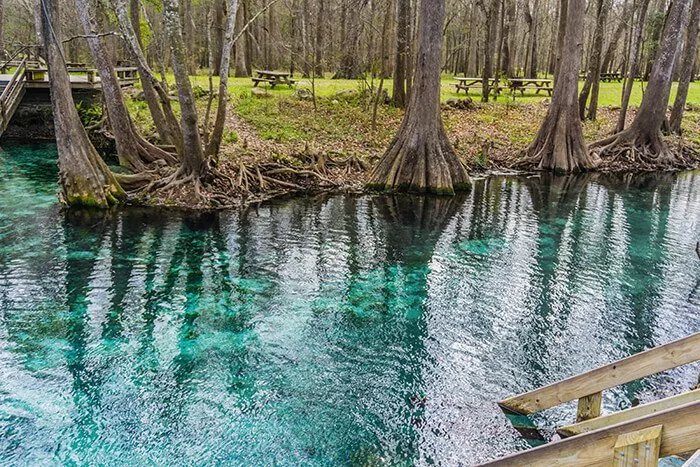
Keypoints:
pixel 638 448
pixel 589 407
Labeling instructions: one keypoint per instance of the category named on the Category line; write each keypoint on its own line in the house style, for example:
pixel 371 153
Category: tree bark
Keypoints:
pixel 592 84
pixel 687 62
pixel 615 38
pixel 531 20
pixel 84 177
pixel 633 64
pixel 193 164
pixel 219 7
pixel 169 130
pixel 399 91
pixel 642 141
pixel 421 158
pixel 220 122
pixel 132 150
pixel 508 25
pixel 319 43
pixel 350 66
pixel 241 45
pixel 559 145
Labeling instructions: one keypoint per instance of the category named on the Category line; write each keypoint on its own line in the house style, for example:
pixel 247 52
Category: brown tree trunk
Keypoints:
pixel 149 93
pixel 319 43
pixel 559 145
pixel 592 84
pixel 84 177
pixel 531 20
pixel 193 164
pixel 220 122
pixel 399 92
pixel 615 38
pixel 633 64
pixel 561 35
pixel 421 158
pixel 642 141
pixel 490 11
pixel 169 125
pixel 219 7
pixel 132 150
pixel 689 51
pixel 350 59
pixel 508 26
pixel 241 46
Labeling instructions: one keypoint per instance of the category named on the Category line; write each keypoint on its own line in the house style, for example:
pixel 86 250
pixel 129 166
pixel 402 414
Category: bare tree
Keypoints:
pixel 642 141
pixel 633 64
pixel 687 62
pixel 592 84
pixel 421 158
pixel 559 144
pixel 402 50
pixel 84 177
pixel 219 123
pixel 132 150
pixel 193 163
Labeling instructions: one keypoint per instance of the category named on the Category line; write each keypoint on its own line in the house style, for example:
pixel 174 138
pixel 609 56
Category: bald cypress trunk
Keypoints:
pixel 218 132
pixel 132 150
pixel 149 92
pixel 559 144
pixel 399 92
pixel 193 164
pixel 688 59
pixel 642 142
pixel 421 158
pixel 84 177
pixel 592 85
pixel 169 129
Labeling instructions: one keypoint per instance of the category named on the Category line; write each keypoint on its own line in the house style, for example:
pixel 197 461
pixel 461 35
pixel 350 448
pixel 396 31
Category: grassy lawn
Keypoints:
pixel 342 124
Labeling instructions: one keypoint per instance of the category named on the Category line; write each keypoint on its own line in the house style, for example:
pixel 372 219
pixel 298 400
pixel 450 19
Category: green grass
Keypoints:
pixel 609 92
pixel 344 125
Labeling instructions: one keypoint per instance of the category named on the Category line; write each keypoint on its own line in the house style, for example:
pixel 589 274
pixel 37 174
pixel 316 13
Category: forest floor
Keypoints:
pixel 336 137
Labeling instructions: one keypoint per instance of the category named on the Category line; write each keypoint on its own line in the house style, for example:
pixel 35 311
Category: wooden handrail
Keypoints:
pixel 680 434
pixel 15 77
pixel 655 360
pixel 630 414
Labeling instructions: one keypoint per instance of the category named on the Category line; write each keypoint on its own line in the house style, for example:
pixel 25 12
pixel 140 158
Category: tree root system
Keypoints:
pixel 634 151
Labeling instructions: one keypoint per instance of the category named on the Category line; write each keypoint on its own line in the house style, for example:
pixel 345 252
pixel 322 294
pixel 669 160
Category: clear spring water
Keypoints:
pixel 328 330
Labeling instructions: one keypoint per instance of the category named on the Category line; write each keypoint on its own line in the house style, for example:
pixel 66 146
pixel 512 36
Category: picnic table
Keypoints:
pixel 538 84
pixel 467 83
pixel 273 78
pixel 616 76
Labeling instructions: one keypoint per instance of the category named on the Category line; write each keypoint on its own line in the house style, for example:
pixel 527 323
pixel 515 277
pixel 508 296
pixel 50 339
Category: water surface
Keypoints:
pixel 344 330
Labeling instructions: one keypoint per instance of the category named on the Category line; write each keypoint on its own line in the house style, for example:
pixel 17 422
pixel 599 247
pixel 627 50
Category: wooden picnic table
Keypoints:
pixel 466 83
pixel 538 84
pixel 273 78
pixel 617 76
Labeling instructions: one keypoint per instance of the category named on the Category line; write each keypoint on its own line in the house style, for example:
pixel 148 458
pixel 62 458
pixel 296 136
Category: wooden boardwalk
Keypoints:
pixel 635 437
pixel 28 75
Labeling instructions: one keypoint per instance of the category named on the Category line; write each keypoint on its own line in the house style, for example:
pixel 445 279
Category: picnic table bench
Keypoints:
pixel 538 84
pixel 616 76
pixel 273 78
pixel 466 83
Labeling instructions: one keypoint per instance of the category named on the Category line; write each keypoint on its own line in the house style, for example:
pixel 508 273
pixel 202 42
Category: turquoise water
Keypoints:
pixel 336 330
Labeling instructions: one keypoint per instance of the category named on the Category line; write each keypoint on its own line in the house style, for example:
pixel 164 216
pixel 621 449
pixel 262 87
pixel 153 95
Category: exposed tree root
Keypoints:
pixel 636 150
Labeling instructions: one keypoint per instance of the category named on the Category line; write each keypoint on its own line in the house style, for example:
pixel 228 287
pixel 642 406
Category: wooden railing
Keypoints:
pixel 633 437
pixel 12 95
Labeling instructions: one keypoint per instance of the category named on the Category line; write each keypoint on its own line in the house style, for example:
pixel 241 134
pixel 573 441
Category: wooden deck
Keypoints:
pixel 634 437
pixel 14 86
